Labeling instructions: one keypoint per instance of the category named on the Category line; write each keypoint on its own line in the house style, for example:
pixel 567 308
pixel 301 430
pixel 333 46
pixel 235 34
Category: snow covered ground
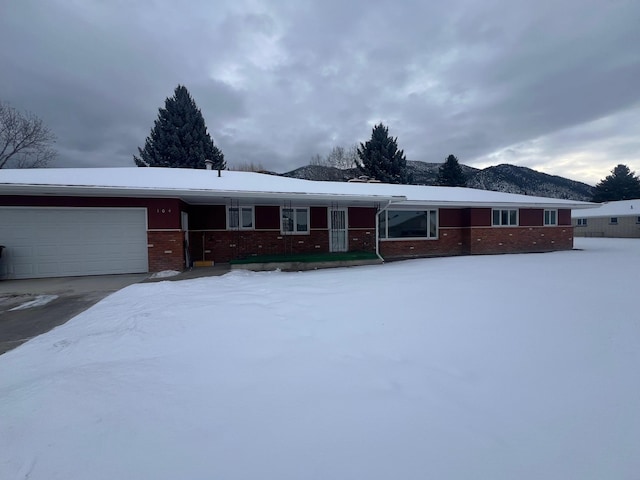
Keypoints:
pixel 491 367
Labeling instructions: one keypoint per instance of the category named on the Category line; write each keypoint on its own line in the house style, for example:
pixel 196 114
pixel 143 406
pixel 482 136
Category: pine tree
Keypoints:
pixel 450 173
pixel 622 184
pixel 179 137
pixel 380 158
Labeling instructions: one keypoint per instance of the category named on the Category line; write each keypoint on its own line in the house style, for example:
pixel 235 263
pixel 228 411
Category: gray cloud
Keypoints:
pixel 525 82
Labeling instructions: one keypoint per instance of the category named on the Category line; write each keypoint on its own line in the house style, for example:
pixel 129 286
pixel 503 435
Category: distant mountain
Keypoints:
pixel 500 178
pixel 513 179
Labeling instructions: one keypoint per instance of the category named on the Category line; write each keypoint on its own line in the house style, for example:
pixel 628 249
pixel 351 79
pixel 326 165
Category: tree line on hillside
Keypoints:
pixel 179 138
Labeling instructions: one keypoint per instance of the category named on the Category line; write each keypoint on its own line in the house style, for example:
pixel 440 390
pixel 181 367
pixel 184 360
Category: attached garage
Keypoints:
pixel 62 242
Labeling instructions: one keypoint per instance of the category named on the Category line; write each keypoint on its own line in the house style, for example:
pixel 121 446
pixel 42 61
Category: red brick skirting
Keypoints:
pixel 520 239
pixel 226 245
pixel 482 240
pixel 166 250
pixel 452 241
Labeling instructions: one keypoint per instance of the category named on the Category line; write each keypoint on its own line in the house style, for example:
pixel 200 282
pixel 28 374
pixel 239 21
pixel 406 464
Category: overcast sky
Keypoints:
pixel 551 85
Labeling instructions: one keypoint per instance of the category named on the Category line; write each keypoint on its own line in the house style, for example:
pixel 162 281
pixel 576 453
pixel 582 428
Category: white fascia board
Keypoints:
pixel 409 204
pixel 98 191
pixel 293 196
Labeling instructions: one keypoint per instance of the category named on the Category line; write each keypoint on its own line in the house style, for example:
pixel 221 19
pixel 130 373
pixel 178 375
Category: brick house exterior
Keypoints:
pixel 228 218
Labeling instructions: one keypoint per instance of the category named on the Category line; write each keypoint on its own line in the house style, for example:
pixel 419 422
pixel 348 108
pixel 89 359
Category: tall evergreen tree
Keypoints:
pixel 450 173
pixel 622 184
pixel 380 158
pixel 179 137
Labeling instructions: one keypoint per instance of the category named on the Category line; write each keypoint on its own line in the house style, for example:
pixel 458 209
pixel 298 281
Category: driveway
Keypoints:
pixel 31 307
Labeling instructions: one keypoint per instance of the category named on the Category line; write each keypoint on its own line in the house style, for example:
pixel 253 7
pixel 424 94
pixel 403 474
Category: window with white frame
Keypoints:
pixel 505 217
pixel 551 217
pixel 240 218
pixel 613 220
pixel 295 220
pixel 393 224
pixel 582 222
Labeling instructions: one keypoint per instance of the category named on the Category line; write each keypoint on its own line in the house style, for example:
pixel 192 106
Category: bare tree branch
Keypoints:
pixel 25 141
pixel 339 157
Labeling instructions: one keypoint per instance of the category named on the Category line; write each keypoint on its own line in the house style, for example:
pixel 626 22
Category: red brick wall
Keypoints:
pixel 361 239
pixel 451 241
pixel 223 245
pixel 482 240
pixel 520 239
pixel 166 250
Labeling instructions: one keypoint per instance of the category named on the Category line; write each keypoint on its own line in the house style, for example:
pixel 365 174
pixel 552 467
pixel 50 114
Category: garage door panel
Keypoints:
pixel 45 242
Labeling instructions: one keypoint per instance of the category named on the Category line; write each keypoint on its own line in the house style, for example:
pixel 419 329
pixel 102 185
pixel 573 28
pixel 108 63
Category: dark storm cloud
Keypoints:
pixel 492 81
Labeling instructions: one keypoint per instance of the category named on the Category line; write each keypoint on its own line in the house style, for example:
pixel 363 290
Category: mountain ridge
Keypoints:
pixel 500 178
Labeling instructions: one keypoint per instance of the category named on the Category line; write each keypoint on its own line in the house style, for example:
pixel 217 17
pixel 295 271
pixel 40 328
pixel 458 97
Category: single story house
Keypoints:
pixel 611 219
pixel 65 221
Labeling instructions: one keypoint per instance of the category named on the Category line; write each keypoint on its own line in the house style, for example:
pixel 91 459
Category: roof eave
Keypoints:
pixel 484 204
pixel 184 194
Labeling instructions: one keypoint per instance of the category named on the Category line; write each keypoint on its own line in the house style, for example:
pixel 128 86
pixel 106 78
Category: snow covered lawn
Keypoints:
pixel 490 367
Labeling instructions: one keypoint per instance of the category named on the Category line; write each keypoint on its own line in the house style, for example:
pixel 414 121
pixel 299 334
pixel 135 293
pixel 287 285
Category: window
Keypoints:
pixel 240 218
pixel 505 218
pixel 582 222
pixel 613 220
pixel 295 220
pixel 408 224
pixel 638 220
pixel 551 217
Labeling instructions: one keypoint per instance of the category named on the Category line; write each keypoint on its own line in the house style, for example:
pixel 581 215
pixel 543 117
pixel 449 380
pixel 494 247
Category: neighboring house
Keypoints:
pixel 61 222
pixel 611 219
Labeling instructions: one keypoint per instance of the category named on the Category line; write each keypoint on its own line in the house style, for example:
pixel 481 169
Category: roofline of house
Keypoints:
pixel 185 194
pixel 485 204
pixel 198 195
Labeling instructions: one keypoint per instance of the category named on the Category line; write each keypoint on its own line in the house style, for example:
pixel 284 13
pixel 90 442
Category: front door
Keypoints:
pixel 338 230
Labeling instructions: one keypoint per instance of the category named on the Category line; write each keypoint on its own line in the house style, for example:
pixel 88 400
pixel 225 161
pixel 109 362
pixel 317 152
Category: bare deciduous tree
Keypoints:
pixel 247 167
pixel 339 157
pixel 25 141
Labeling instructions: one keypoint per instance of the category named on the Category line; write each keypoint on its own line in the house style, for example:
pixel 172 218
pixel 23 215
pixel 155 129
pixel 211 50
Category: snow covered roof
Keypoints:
pixel 202 186
pixel 612 209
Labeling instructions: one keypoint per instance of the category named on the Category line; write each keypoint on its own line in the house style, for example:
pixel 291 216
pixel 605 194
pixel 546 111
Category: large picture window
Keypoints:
pixel 408 224
pixel 506 217
pixel 295 220
pixel 240 218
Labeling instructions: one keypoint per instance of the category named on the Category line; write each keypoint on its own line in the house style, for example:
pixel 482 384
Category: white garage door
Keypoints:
pixel 62 242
